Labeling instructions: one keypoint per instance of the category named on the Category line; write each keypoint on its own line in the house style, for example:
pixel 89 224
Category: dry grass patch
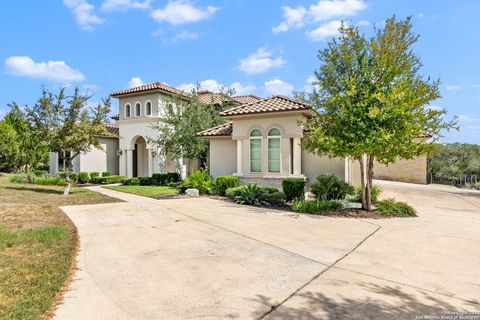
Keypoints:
pixel 38 244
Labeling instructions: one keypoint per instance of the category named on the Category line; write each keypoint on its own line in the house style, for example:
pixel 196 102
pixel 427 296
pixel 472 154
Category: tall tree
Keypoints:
pixel 372 102
pixel 31 151
pixel 67 125
pixel 8 146
pixel 183 118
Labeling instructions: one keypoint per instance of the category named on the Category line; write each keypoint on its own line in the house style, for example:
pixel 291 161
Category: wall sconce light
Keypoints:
pixel 119 152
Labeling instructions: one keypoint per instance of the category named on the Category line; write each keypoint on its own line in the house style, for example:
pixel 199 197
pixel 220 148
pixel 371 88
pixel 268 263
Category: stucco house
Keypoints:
pixel 260 142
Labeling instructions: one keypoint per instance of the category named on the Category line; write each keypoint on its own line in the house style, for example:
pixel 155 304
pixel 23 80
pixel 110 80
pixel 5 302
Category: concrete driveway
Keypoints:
pixel 209 259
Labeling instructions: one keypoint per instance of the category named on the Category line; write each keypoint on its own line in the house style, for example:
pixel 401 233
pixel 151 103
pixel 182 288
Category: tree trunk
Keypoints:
pixel 366 172
pixel 363 179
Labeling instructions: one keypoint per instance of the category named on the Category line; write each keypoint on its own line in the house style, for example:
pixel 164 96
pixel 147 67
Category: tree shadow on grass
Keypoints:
pixel 383 303
pixel 36 189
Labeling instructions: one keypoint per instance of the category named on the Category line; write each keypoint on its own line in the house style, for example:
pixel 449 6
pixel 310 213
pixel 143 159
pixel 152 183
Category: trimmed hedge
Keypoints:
pixel 132 182
pixel 109 180
pixel 50 181
pixel 316 207
pixel 293 188
pixel 162 179
pixel 83 177
pixel 225 182
pixel 94 174
pixel 106 174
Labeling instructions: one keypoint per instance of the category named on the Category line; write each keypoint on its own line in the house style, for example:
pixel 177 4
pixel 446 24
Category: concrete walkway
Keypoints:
pixel 204 258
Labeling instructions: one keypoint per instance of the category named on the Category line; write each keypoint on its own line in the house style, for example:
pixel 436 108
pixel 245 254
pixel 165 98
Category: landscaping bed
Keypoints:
pixel 38 246
pixel 156 192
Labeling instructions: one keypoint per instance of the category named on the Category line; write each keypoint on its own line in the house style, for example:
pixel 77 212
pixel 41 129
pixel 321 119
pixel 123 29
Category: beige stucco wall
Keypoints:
pixel 223 157
pixel 314 165
pixel 414 171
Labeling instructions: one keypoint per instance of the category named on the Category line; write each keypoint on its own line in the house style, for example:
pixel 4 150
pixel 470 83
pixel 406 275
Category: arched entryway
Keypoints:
pixel 140 158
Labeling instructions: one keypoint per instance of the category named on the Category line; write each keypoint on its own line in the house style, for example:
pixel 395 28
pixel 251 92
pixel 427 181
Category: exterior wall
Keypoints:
pixel 314 165
pixel 53 162
pixel 223 157
pixel 413 171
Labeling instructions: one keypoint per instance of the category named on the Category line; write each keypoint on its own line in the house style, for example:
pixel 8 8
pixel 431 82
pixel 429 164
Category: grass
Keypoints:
pixel 146 191
pixel 38 245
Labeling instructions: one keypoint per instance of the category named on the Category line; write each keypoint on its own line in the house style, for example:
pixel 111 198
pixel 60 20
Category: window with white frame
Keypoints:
pixel 137 109
pixel 256 151
pixel 148 108
pixel 128 111
pixel 274 150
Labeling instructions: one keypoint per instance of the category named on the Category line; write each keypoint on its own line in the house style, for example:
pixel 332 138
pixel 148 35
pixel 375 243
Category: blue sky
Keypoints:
pixel 261 47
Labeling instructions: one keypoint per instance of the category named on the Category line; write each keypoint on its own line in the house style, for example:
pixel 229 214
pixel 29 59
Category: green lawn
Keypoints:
pixel 38 245
pixel 146 191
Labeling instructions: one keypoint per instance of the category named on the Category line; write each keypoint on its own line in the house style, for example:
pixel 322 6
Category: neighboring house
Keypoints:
pixel 260 143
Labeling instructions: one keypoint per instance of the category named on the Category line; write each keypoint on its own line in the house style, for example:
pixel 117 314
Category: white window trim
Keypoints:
pixel 151 107
pixel 280 151
pixel 129 107
pixel 135 109
pixel 250 150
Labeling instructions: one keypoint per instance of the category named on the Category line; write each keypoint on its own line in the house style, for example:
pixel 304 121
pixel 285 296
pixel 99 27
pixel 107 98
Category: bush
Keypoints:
pixel 393 208
pixel 173 177
pixel 106 174
pixel 329 187
pixel 316 207
pixel 277 198
pixel 162 179
pixel 233 192
pixel 73 177
pixel 99 180
pixel 50 181
pixel 146 181
pixel 109 180
pixel 26 177
pixel 256 195
pixel 132 182
pixel 293 188
pixel 39 172
pixel 94 174
pixel 83 177
pixel 200 180
pixel 225 182
pixel 357 196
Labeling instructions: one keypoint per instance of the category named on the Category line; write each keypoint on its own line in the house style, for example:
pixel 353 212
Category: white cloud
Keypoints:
pixel 58 71
pixel 453 88
pixel 185 35
pixel 260 61
pixel 215 86
pixel 469 86
pixel 363 23
pixel 84 14
pixel 420 15
pixel 112 5
pixel 311 84
pixel 468 118
pixel 135 82
pixel 278 87
pixel 325 31
pixel 182 11
pixel 324 10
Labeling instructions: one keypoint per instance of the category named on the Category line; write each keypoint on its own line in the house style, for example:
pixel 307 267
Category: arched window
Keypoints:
pixel 137 109
pixel 128 111
pixel 274 150
pixel 148 108
pixel 256 151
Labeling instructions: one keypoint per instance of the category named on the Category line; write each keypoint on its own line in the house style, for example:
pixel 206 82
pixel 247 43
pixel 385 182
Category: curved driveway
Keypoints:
pixel 209 259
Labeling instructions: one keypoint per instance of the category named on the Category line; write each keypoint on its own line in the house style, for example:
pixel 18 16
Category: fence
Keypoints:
pixel 460 181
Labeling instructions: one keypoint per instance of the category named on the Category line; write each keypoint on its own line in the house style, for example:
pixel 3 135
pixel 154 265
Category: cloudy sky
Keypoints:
pixel 256 47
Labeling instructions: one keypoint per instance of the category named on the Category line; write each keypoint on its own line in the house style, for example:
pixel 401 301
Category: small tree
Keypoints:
pixel 371 101
pixel 67 126
pixel 183 119
pixel 8 146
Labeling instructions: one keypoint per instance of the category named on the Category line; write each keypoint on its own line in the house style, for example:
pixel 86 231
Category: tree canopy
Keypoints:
pixel 9 146
pixel 371 101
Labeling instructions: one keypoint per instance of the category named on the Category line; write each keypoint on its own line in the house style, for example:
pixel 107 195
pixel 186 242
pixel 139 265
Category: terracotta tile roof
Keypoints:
pixel 112 128
pixel 221 130
pixel 271 104
pixel 213 97
pixel 155 86
pixel 246 99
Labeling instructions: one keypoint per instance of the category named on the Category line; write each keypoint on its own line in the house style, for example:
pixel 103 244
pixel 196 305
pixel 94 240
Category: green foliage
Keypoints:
pixel 94 174
pixel 390 207
pixel 146 181
pixel 31 177
pixel 24 177
pixel 132 182
pixel 163 179
pixel 109 180
pixel 276 198
pixel 316 207
pixel 177 135
pixel 106 174
pixel 451 161
pixel 225 182
pixel 9 147
pixel 371 99
pixel 357 196
pixel 50 181
pixel 256 195
pixel 293 188
pixel 233 192
pixel 329 187
pixel 83 177
pixel 200 180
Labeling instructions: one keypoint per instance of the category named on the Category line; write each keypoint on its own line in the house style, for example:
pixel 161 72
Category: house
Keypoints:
pixel 260 142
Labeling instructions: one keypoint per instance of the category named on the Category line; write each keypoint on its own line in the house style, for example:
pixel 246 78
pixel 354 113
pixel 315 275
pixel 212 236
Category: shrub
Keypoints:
pixel 329 187
pixel 357 196
pixel 293 188
pixel 50 181
pixel 94 174
pixel 146 181
pixel 26 177
pixel 162 179
pixel 277 198
pixel 132 182
pixel 252 195
pixel 173 177
pixel 109 180
pixel 390 207
pixel 73 177
pixel 99 180
pixel 233 192
pixel 225 182
pixel 106 174
pixel 316 207
pixel 83 177
pixel 39 172
pixel 200 180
